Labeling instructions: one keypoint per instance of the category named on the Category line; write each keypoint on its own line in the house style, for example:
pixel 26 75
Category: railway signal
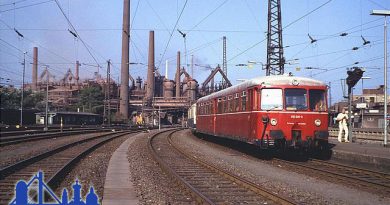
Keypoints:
pixel 354 76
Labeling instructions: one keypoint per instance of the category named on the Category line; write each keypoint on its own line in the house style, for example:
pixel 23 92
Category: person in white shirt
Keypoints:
pixel 343 125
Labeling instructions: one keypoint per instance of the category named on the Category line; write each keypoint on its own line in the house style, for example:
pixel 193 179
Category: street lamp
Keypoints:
pixel 384 13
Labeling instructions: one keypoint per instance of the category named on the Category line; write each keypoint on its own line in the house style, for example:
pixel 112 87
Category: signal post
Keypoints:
pixel 354 75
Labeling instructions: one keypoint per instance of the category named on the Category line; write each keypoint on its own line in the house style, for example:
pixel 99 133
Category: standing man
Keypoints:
pixel 343 125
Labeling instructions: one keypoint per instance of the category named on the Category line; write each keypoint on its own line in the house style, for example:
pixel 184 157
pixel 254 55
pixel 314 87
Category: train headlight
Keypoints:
pixel 273 121
pixel 317 122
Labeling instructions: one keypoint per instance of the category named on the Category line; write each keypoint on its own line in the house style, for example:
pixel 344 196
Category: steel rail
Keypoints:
pixel 343 176
pixel 21 164
pixel 8 134
pixel 239 180
pixel 247 185
pixel 58 176
pixel 199 197
pixel 359 170
pixel 35 137
pixel 61 172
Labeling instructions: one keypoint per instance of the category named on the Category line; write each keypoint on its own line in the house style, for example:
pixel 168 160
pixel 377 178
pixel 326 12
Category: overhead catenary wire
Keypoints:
pixel 208 15
pixel 13 3
pixel 75 31
pixel 171 34
pixel 30 5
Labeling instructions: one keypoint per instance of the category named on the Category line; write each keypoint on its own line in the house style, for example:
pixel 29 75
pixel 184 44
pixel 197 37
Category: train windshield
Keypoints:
pixel 271 99
pixel 296 99
pixel 317 100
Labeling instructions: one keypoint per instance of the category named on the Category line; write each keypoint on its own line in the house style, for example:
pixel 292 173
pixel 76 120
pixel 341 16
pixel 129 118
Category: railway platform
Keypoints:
pixel 118 188
pixel 371 156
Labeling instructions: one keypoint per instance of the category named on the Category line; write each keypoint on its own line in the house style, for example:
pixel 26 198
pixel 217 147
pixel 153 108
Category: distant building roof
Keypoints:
pixel 68 113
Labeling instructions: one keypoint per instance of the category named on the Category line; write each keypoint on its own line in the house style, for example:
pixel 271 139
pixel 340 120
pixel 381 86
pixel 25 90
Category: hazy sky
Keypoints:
pixel 243 22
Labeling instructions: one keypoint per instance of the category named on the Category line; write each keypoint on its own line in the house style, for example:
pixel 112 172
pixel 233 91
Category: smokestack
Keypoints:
pixel 124 94
pixel 77 75
pixel 35 69
pixel 166 69
pixel 150 80
pixel 178 75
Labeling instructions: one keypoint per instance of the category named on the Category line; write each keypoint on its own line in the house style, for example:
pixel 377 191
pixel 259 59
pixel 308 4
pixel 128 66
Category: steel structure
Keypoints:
pixel 275 60
pixel 224 63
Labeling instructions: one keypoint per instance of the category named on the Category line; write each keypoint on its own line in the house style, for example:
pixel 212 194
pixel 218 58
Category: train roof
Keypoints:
pixel 266 80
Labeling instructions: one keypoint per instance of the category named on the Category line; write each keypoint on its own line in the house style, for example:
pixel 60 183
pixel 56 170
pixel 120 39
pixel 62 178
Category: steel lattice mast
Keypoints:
pixel 224 63
pixel 275 60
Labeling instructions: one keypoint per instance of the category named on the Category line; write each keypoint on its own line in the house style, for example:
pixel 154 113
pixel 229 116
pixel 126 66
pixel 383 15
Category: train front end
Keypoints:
pixel 294 116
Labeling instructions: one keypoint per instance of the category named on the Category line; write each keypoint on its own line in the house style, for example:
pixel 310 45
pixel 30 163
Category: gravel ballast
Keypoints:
pixel 302 188
pixel 91 170
pixel 12 153
pixel 151 184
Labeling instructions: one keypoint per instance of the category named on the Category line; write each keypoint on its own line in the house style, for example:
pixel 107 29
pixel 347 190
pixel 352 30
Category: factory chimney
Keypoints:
pixel 166 69
pixel 124 92
pixel 150 80
pixel 178 75
pixel 35 69
pixel 77 75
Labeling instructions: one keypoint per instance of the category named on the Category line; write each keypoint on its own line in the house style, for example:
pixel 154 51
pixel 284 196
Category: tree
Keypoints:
pixel 91 99
pixel 10 98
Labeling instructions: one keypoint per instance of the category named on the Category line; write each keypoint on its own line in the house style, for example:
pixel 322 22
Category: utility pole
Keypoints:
pixel 108 91
pixel 185 46
pixel 350 126
pixel 159 118
pixel 124 95
pixel 384 13
pixel 47 100
pixel 275 59
pixel 330 100
pixel 330 94
pixel 21 101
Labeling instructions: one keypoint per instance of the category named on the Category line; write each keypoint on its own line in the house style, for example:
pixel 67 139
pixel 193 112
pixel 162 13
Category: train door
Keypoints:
pixel 253 102
pixel 214 115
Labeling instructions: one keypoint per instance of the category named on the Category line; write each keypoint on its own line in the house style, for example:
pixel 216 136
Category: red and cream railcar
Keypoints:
pixel 270 111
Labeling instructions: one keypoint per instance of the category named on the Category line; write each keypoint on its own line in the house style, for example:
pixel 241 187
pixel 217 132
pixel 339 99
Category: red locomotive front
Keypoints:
pixel 272 111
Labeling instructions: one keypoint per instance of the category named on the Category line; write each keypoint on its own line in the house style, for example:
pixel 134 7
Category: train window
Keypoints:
pixel 317 100
pixel 230 103
pixel 243 101
pixel 296 99
pixel 219 105
pixel 271 99
pixel 225 102
pixel 237 102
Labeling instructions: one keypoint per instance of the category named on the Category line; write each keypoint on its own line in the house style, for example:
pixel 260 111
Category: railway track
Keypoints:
pixel 55 163
pixel 10 140
pixel 368 180
pixel 206 183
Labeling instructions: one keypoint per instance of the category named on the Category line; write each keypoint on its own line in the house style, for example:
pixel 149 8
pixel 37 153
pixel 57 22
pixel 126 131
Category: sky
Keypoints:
pixel 98 23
